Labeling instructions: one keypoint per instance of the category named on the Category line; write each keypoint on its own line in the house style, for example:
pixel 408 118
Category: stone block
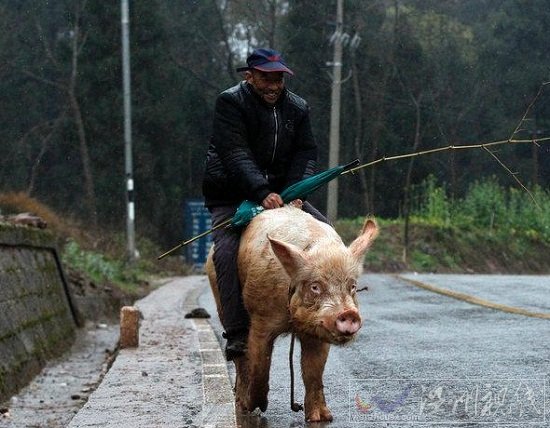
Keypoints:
pixel 129 327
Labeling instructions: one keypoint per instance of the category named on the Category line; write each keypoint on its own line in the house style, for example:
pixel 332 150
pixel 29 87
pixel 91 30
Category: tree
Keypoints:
pixel 55 63
pixel 434 73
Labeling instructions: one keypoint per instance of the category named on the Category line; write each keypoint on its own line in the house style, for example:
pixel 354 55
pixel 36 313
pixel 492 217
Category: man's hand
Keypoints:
pixel 273 200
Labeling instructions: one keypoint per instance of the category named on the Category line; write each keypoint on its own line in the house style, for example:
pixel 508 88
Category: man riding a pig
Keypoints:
pixel 262 142
pixel 288 270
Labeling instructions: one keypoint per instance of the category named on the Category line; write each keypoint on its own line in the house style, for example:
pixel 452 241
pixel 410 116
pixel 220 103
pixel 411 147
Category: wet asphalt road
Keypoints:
pixel 423 359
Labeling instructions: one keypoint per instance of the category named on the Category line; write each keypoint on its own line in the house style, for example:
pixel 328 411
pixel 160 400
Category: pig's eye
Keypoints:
pixel 353 288
pixel 315 288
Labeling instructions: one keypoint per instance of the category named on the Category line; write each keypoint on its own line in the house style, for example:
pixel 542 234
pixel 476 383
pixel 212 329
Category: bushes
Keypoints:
pixel 99 268
pixel 432 203
pixel 487 205
pixel 492 229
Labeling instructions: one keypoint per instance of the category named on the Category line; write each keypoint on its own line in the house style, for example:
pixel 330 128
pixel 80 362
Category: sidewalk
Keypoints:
pixel 176 377
pixel 57 393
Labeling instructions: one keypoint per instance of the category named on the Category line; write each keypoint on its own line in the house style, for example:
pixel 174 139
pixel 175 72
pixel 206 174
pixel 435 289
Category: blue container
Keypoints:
pixel 197 220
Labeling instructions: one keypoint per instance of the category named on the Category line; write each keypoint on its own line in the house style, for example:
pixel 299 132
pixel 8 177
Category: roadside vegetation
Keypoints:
pixel 109 265
pixel 492 229
pixel 96 259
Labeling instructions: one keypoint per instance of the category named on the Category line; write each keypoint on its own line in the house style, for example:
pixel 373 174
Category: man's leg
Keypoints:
pixel 235 316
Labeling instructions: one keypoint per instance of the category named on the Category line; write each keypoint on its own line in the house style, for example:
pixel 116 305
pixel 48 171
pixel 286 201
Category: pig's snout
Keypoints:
pixel 348 322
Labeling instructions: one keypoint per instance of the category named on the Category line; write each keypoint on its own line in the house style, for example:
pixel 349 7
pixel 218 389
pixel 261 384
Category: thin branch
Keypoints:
pixel 83 42
pixel 58 85
pixel 225 35
pixel 196 75
pixel 47 49
pixel 520 123
pixel 514 175
pixel 77 19
pixel 443 149
pixel 458 147
pixel 45 143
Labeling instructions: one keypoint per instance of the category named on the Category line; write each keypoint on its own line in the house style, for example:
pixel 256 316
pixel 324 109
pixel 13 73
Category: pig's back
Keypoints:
pixel 287 224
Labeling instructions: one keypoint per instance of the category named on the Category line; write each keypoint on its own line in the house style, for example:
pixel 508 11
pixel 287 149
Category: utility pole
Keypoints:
pixel 334 140
pixel 130 212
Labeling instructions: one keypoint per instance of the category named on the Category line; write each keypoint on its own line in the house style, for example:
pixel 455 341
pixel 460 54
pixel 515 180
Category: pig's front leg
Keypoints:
pixel 260 347
pixel 314 357
pixel 241 384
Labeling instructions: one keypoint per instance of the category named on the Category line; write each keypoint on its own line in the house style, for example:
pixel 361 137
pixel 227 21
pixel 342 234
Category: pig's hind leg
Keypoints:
pixel 313 360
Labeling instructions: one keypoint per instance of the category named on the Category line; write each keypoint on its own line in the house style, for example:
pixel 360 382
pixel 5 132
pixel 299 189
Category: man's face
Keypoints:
pixel 269 86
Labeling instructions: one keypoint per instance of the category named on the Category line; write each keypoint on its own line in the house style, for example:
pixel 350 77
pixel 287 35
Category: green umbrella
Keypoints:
pixel 248 210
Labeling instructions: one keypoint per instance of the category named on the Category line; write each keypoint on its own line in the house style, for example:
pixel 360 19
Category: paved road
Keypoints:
pixel 422 358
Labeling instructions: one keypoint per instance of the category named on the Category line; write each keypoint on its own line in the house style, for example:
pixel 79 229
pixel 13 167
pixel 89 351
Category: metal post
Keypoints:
pixel 130 213
pixel 334 141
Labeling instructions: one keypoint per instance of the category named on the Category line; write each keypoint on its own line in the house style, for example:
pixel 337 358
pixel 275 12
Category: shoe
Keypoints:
pixel 236 345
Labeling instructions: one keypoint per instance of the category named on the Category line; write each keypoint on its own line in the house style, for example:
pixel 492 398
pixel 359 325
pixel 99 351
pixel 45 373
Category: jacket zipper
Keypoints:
pixel 276 134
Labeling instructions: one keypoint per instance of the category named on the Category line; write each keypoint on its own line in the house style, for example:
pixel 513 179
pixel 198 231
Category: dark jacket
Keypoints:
pixel 256 148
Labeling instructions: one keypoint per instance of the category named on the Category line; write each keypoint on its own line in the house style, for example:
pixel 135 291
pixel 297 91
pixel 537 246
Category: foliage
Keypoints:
pixel 469 69
pixel 99 255
pixel 488 206
pixel 433 204
pixel 107 265
pixel 95 264
pixel 491 229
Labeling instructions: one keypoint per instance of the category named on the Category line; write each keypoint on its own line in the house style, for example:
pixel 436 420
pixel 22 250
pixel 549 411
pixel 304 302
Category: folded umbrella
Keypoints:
pixel 248 210
pixel 300 190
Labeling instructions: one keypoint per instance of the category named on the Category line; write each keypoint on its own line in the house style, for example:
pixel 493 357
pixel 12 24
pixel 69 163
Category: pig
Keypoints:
pixel 296 276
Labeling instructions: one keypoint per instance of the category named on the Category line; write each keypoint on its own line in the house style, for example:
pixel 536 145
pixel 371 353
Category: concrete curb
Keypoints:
pixel 218 410
pixel 176 377
pixel 473 299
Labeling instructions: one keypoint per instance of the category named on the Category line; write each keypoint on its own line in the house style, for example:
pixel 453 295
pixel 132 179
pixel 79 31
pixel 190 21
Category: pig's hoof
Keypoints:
pixel 257 402
pixel 319 415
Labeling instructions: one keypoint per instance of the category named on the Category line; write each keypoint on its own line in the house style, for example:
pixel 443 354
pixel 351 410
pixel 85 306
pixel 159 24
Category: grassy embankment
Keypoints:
pixel 491 230
pixel 95 260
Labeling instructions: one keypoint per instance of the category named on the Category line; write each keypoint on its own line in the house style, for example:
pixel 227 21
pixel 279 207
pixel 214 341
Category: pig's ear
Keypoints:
pixel 365 239
pixel 291 257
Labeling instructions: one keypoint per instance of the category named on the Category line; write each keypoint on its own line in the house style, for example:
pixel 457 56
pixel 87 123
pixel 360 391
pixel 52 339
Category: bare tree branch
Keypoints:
pixel 53 125
pixel 514 175
pixel 196 75
pixel 47 49
pixel 225 35
pixel 49 82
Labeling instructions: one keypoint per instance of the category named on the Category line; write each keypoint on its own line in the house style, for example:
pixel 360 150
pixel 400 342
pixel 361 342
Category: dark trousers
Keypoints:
pixel 226 249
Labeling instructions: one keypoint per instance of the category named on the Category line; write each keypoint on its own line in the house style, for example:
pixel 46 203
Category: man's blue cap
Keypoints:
pixel 267 60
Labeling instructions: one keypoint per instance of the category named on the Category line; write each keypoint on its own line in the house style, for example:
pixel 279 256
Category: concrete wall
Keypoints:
pixel 37 321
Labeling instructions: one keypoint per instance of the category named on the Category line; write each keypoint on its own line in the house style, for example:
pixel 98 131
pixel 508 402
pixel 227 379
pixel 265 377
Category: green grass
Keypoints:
pixel 109 264
pixel 492 229
pixel 101 269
